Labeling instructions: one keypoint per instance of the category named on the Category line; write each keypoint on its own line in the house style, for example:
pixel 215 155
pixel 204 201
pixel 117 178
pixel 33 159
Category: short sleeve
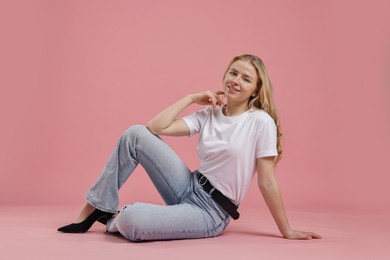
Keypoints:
pixel 266 143
pixel 196 120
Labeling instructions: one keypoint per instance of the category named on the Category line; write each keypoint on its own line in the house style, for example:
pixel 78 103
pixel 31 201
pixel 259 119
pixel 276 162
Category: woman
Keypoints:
pixel 236 140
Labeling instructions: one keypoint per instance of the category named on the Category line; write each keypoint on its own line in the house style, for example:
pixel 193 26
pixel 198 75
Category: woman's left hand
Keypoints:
pixel 295 234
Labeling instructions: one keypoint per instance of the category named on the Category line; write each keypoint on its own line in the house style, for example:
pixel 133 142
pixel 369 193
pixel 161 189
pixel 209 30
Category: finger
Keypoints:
pixel 314 235
pixel 303 236
pixel 311 235
pixel 219 101
pixel 221 95
pixel 213 101
pixel 223 100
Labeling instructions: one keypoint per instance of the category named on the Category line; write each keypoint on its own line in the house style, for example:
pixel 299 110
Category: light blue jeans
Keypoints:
pixel 190 211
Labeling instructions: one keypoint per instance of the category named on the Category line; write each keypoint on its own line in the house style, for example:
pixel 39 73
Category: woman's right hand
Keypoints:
pixel 208 98
pixel 166 122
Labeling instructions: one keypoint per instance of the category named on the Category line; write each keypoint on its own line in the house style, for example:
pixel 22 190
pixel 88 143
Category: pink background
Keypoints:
pixel 76 74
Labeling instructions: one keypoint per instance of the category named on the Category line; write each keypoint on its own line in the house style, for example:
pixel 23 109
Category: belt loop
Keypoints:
pixel 211 191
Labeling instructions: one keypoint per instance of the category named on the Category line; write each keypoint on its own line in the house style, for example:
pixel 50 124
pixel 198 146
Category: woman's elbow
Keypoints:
pixel 265 186
pixel 152 129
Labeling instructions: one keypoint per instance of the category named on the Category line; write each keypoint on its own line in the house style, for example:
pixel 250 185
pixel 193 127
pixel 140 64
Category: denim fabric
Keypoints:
pixel 190 211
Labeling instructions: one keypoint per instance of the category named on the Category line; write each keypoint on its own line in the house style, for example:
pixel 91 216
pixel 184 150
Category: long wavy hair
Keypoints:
pixel 264 99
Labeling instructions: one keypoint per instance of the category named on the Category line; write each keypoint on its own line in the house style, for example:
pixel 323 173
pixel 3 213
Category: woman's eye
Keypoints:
pixel 232 73
pixel 247 80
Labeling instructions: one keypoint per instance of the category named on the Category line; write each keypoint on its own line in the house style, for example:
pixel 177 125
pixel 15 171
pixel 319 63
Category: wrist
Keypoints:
pixel 191 98
pixel 286 233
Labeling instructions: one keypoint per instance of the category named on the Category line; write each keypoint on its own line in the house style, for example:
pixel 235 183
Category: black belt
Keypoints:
pixel 218 197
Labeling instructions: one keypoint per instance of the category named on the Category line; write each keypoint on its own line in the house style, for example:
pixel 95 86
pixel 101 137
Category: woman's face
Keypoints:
pixel 240 82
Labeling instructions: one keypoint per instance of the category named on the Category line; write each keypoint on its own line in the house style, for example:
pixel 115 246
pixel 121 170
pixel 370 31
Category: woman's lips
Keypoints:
pixel 233 89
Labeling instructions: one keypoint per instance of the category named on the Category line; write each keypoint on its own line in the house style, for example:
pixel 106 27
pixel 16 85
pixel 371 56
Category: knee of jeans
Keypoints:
pixel 131 223
pixel 136 131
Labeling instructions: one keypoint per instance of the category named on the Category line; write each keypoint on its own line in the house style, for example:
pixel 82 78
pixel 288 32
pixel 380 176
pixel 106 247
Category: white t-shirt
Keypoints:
pixel 228 147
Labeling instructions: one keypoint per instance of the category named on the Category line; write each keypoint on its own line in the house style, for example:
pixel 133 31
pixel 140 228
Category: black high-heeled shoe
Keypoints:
pixel 106 218
pixel 84 226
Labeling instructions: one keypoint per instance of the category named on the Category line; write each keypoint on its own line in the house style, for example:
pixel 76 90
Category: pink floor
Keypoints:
pixel 30 233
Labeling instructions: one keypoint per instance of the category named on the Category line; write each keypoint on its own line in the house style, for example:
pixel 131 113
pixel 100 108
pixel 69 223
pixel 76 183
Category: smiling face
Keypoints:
pixel 240 82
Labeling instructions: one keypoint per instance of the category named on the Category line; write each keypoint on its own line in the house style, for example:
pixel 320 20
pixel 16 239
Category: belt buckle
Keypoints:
pixel 202 180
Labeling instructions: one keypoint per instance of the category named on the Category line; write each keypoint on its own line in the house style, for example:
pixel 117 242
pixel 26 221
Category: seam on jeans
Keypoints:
pixel 139 239
pixel 194 231
pixel 210 201
pixel 175 231
pixel 203 218
pixel 126 164
pixel 161 173
pixel 90 201
pixel 206 232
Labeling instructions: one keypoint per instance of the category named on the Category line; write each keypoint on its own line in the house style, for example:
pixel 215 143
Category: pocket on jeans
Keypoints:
pixel 215 211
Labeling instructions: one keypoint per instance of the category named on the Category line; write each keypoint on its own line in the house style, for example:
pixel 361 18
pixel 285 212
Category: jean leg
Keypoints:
pixel 141 221
pixel 138 145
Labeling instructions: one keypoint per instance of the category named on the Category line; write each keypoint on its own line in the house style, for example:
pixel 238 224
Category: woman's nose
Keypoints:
pixel 235 79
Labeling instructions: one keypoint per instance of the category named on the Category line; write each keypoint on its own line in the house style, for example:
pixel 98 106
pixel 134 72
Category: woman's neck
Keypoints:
pixel 234 110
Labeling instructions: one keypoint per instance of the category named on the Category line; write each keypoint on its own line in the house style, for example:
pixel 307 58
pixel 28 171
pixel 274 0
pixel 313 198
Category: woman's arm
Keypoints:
pixel 166 122
pixel 269 188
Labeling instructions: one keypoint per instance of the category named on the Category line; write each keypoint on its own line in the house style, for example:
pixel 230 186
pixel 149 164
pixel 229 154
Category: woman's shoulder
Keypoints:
pixel 203 113
pixel 204 110
pixel 261 115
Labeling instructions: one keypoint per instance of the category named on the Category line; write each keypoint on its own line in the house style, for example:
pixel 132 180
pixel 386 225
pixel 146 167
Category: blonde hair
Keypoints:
pixel 264 99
